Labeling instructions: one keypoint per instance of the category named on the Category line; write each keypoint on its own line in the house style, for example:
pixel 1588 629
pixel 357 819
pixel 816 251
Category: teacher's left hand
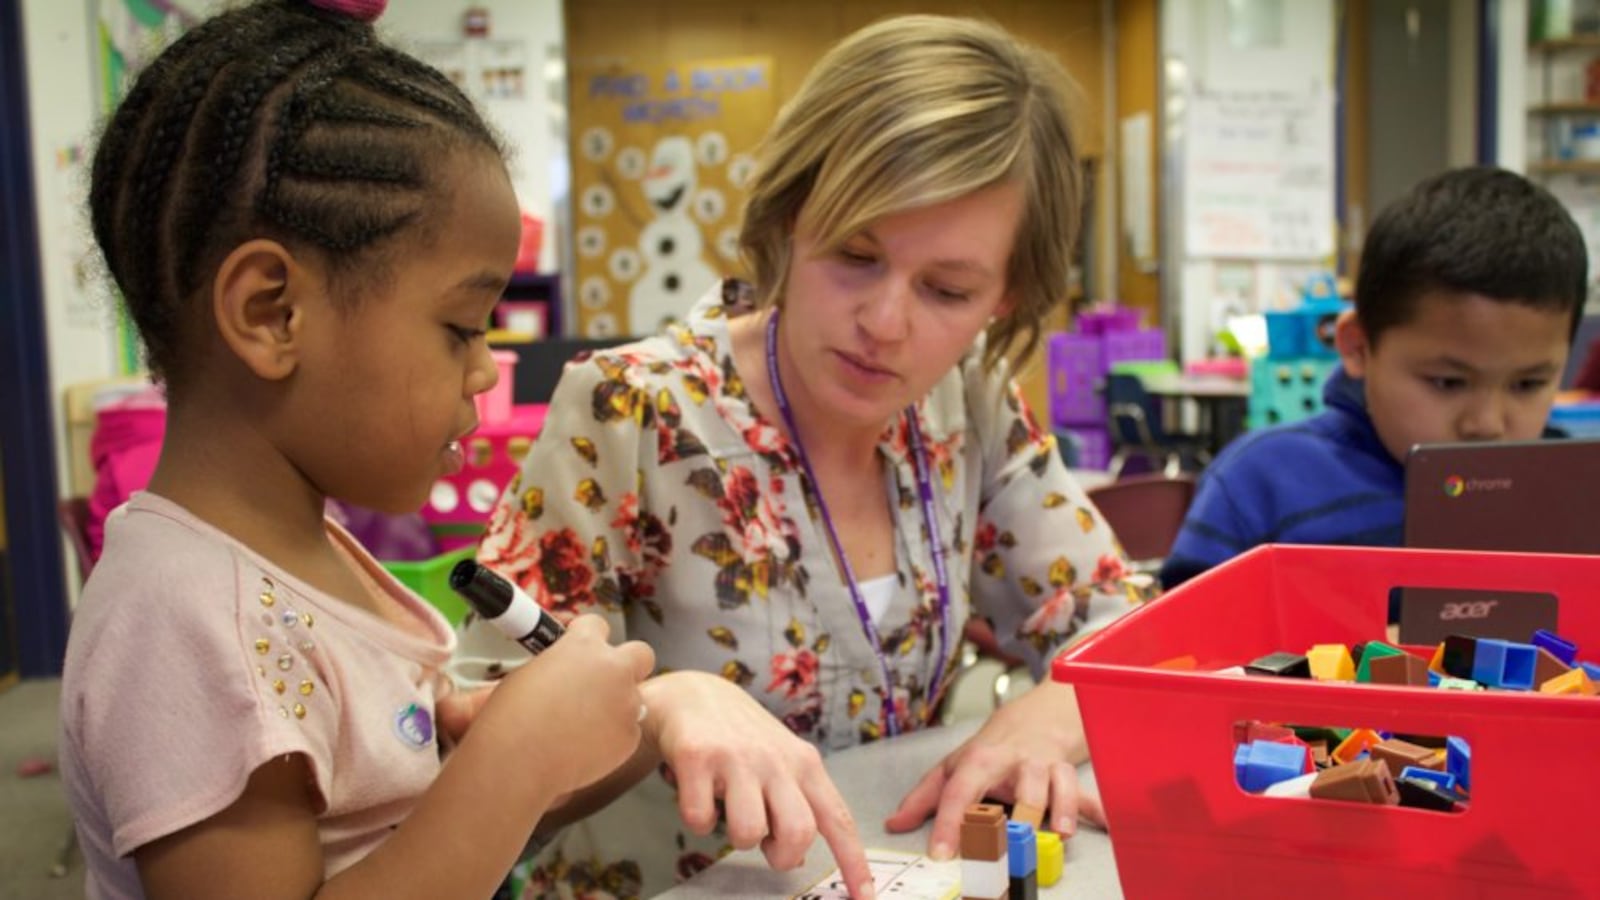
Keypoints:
pixel 1026 753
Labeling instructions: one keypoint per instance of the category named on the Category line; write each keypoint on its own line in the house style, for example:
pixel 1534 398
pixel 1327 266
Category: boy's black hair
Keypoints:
pixel 276 120
pixel 1476 230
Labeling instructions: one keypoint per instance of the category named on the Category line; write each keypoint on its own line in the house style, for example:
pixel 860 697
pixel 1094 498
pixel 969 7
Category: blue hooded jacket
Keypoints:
pixel 1324 480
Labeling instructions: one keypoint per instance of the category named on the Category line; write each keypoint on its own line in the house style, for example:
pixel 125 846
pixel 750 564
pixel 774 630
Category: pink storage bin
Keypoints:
pixel 494 405
pixel 458 506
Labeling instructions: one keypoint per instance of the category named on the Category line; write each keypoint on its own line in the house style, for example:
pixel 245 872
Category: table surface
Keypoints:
pixel 1199 386
pixel 873 777
pixel 1089 479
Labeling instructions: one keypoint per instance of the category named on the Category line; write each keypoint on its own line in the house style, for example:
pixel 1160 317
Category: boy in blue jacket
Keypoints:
pixel 1469 294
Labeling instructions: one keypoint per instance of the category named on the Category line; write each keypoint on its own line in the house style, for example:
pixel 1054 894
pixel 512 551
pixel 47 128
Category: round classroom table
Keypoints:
pixel 873 778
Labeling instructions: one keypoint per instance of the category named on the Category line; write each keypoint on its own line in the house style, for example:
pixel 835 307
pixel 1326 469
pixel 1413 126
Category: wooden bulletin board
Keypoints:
pixel 660 159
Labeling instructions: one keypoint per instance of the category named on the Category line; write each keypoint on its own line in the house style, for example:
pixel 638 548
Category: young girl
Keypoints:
pixel 309 229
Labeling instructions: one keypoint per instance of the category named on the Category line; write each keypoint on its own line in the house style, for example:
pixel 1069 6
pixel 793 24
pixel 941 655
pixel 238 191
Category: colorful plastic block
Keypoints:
pixel 1261 763
pixel 1399 754
pixel 1331 662
pixel 983 832
pixel 1458 761
pixel 1448 683
pixel 1573 681
pixel 1458 655
pixel 985 873
pixel 1360 741
pixel 1418 794
pixel 1022 855
pixel 1504 664
pixel 1028 814
pixel 1547 666
pixel 1402 669
pixel 1052 858
pixel 1372 651
pixel 1022 850
pixel 1282 665
pixel 1364 781
pixel 1559 647
pixel 1442 779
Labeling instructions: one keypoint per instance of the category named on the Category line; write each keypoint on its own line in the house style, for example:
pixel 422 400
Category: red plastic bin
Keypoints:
pixel 1163 747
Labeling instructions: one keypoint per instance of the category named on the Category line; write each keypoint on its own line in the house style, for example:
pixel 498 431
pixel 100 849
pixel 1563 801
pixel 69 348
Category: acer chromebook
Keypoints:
pixel 1529 496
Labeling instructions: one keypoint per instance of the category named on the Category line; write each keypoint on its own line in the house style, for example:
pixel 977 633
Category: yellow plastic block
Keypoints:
pixel 1051 858
pixel 1331 662
pixel 1575 681
pixel 1351 747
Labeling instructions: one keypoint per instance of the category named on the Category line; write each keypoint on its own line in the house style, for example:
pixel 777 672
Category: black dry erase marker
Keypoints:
pixel 506 606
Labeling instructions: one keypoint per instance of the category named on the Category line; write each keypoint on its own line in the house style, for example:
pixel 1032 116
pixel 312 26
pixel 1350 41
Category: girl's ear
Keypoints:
pixel 257 301
pixel 1350 339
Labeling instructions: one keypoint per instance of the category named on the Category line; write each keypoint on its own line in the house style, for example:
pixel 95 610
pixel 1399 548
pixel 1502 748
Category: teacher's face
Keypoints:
pixel 872 325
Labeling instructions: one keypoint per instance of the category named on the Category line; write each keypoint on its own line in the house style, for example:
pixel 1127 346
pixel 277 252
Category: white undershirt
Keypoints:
pixel 877 593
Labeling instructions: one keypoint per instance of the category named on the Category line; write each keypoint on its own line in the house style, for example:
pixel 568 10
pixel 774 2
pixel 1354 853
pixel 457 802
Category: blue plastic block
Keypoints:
pixel 1260 764
pixel 1559 647
pixel 1022 849
pixel 1592 669
pixel 1442 779
pixel 1433 678
pixel 1504 664
pixel 1458 761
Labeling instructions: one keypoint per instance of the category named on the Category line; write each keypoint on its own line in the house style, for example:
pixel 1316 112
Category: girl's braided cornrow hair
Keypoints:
pixel 283 119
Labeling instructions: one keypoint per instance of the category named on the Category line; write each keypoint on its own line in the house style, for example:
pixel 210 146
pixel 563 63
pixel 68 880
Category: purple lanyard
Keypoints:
pixel 929 519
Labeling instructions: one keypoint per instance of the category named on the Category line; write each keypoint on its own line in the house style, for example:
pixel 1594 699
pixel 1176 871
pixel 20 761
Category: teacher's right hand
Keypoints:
pixel 722 744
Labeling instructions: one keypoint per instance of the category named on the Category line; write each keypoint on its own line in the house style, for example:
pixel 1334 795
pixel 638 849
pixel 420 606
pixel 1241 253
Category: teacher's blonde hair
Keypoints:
pixel 913 111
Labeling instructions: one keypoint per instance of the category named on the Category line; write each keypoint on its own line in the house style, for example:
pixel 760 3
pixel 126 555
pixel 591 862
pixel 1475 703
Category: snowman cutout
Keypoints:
pixel 673 271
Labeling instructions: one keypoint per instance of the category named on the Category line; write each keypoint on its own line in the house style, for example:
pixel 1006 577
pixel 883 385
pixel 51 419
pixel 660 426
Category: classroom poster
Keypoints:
pixel 1259 175
pixel 660 160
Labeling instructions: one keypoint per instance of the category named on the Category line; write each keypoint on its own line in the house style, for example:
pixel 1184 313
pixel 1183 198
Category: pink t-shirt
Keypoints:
pixel 193 661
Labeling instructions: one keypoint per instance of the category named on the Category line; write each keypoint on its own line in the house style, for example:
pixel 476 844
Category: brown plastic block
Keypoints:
pixel 1398 754
pixel 1319 753
pixel 1027 812
pixel 1546 667
pixel 1402 669
pixel 1363 781
pixel 983 832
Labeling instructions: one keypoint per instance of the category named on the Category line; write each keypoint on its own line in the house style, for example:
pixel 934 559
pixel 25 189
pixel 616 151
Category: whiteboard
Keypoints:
pixel 1259 175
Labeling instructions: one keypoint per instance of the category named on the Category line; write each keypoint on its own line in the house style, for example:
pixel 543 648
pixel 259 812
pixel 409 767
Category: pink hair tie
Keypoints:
pixel 360 10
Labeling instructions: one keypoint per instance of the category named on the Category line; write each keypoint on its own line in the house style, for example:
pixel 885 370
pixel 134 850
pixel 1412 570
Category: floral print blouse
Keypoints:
pixel 658 497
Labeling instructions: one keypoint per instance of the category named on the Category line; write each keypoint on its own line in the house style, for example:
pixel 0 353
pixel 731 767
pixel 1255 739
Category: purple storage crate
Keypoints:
pixel 1106 321
pixel 1076 365
pixel 1094 446
pixel 1136 345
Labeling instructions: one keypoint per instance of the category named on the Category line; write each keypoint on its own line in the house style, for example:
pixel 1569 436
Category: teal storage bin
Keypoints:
pixel 1286 390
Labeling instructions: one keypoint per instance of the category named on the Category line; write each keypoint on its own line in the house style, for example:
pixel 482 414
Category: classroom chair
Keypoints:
pixel 1145 512
pixel 1137 431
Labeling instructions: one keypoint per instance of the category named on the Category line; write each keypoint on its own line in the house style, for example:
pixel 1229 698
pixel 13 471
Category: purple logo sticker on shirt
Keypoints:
pixel 414 725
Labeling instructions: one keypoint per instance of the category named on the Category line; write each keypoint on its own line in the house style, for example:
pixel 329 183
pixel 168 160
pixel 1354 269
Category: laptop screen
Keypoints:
pixel 1531 497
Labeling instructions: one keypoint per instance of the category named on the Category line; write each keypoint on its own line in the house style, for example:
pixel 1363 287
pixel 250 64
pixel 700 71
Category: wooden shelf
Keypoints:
pixel 1577 41
pixel 1565 167
pixel 1565 109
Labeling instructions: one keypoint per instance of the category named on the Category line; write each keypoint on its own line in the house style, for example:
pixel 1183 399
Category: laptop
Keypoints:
pixel 1524 496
